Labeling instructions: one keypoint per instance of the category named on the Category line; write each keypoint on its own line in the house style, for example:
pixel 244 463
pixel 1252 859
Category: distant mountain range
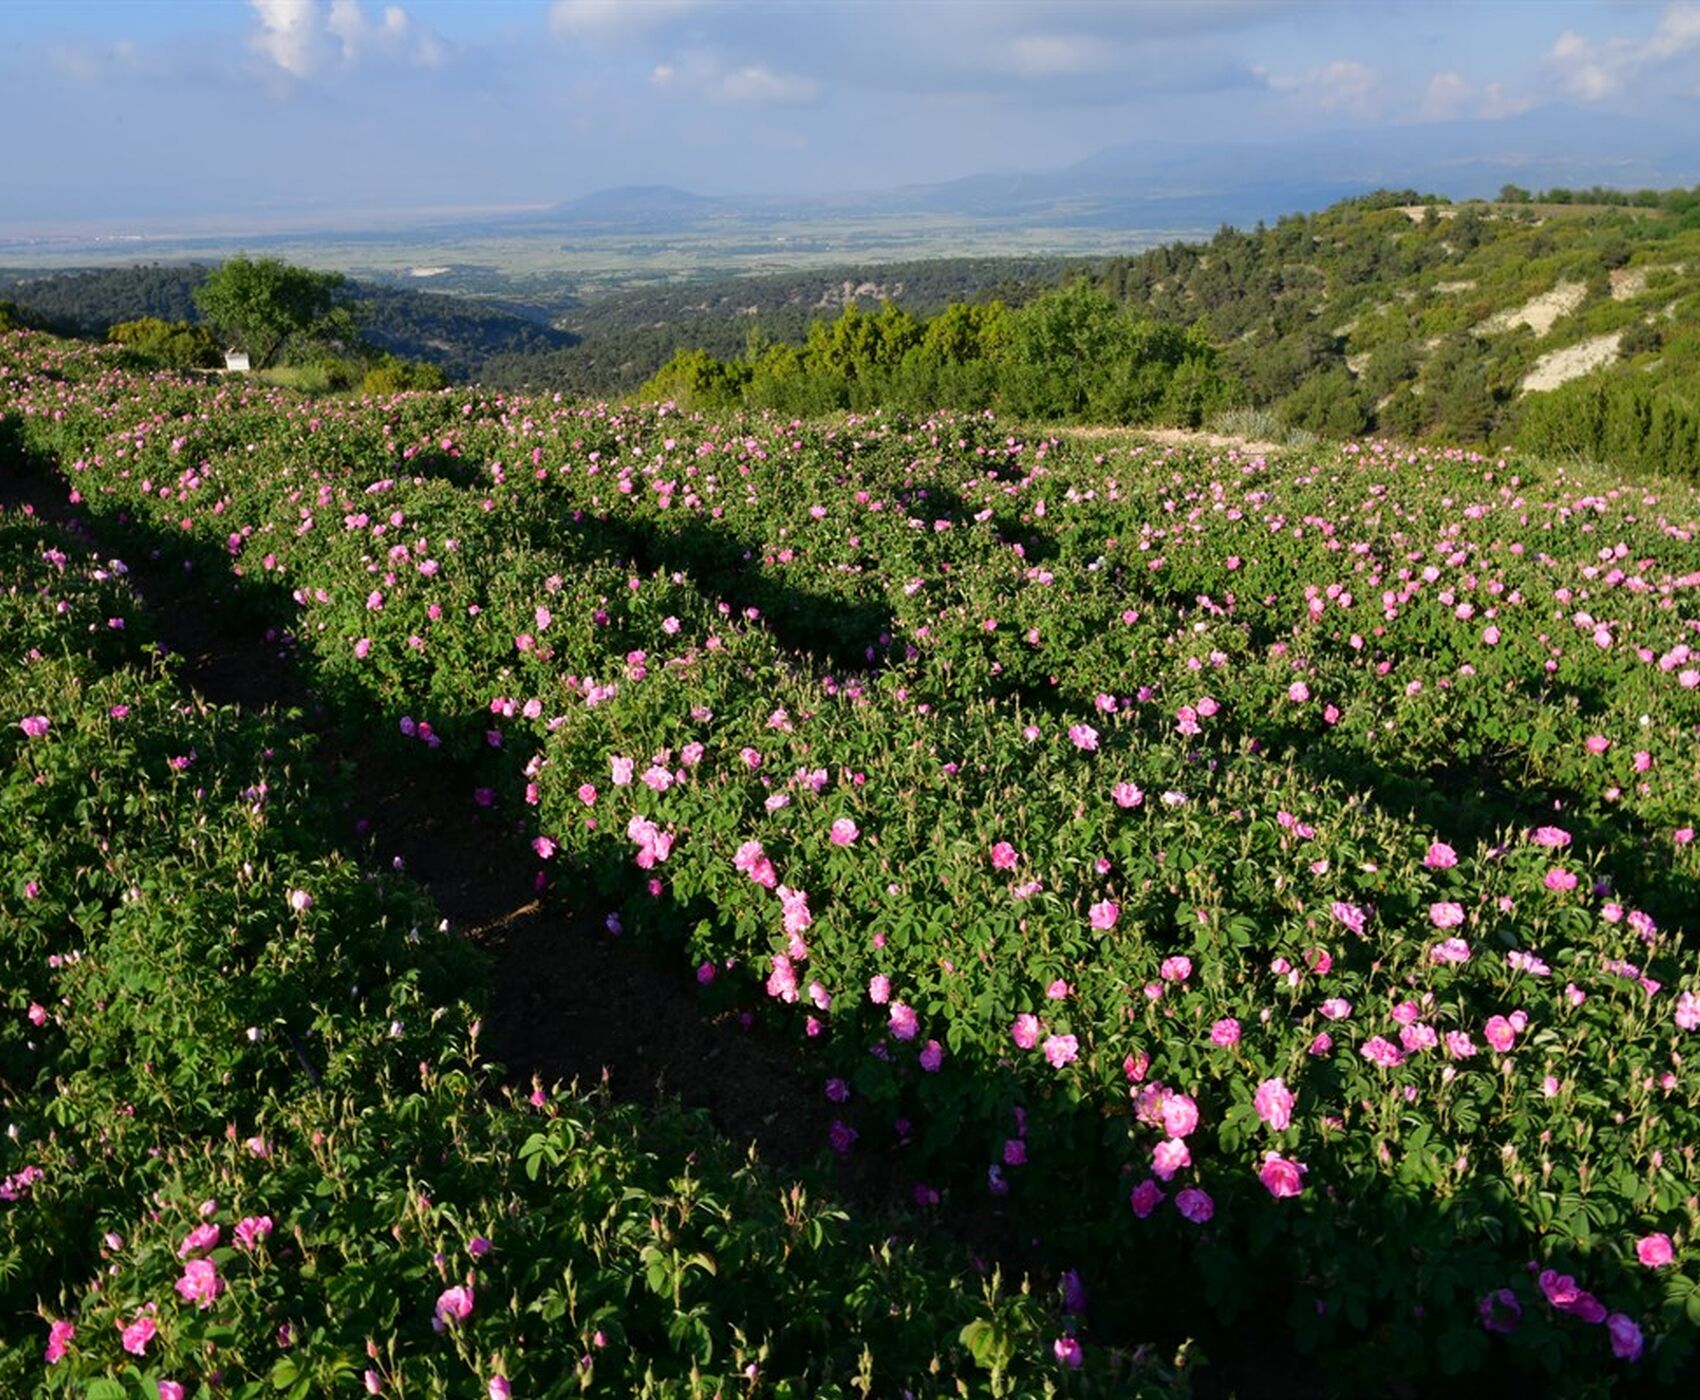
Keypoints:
pixel 1170 185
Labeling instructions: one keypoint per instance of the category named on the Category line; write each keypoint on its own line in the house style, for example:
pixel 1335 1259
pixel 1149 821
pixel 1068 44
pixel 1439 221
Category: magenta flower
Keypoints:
pixel 1127 795
pixel 1004 856
pixel 1552 837
pixel 1067 1351
pixel 1145 1198
pixel 59 1335
pixel 200 1283
pixel 844 832
pixel 1559 880
pixel 1195 1205
pixel 932 1056
pixel 1104 914
pixel 1500 1033
pixel 1336 1008
pixel 201 1237
pixel 904 1022
pixel 1281 1176
pixel 1440 856
pixel 34 725
pixel 252 1230
pixel 138 1334
pixel 1061 1050
pixel 1014 1152
pixel 1025 1032
pixel 453 1305
pixel 499 1389
pixel 1225 1033
pixel 1450 950
pixel 171 1390
pixel 1274 1104
pixel 1654 1251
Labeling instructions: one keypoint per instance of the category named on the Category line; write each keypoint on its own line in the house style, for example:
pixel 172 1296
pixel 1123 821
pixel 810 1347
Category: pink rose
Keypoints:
pixel 1281 1176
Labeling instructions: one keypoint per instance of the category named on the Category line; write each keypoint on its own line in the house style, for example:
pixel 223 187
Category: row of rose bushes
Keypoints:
pixel 252 1145
pixel 1302 944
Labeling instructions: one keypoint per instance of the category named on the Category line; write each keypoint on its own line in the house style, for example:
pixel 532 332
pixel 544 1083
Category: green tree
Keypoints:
pixel 179 344
pixel 265 304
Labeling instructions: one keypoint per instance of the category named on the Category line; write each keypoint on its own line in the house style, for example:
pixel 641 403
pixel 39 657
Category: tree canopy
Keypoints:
pixel 265 303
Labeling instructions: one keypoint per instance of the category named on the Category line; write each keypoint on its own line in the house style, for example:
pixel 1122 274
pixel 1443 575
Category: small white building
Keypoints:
pixel 236 361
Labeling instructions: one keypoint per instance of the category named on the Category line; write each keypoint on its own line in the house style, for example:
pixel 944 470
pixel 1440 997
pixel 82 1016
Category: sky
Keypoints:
pixel 131 109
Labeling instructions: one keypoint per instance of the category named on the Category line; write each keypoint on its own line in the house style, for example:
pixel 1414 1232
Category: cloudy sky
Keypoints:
pixel 135 109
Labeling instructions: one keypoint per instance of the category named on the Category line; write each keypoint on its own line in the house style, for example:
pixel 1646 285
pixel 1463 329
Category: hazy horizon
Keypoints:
pixel 286 113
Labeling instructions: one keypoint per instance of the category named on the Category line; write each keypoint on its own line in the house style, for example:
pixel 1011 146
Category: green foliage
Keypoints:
pixel 393 375
pixel 1643 428
pixel 267 305
pixel 176 344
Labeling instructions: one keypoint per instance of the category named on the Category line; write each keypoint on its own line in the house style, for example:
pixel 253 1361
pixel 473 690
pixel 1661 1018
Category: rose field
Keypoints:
pixel 1227 918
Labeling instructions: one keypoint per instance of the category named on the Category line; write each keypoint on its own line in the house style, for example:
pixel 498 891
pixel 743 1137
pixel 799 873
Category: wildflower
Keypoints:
pixel 201 1237
pixel 1281 1176
pixel 903 1021
pixel 1180 1114
pixel 1687 1012
pixel 1274 1104
pixel 1025 1032
pixel 1381 1052
pixel 1083 736
pixel 1654 1251
pixel 453 1305
pixel 1336 1008
pixel 1349 915
pixel 200 1283
pixel 1626 1340
pixel 1104 914
pixel 300 901
pixel 34 725
pixel 1004 856
pixel 59 1336
pixel 136 1336
pixel 1169 1156
pixel 252 1230
pixel 1440 856
pixel 1195 1205
pixel 1225 1033
pixel 844 832
pixel 1145 1198
pixel 1176 969
pixel 1067 1351
pixel 1446 914
pixel 1500 1033
pixel 932 1056
pixel 1061 1050
pixel 1500 1311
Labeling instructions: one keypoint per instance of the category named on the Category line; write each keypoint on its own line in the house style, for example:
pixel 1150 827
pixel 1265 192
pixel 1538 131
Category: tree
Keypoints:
pixel 179 344
pixel 265 303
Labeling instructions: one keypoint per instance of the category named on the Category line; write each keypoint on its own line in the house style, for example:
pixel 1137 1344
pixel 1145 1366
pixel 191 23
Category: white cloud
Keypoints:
pixel 1056 55
pixel 290 34
pixel 661 73
pixel 1497 102
pixel 306 40
pixel 755 83
pixel 1344 85
pixel 613 19
pixel 1444 101
pixel 1595 71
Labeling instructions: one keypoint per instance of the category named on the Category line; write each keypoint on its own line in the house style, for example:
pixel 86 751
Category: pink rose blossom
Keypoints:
pixel 200 1283
pixel 1061 1050
pixel 1281 1177
pixel 1274 1103
pixel 1169 1156
pixel 1195 1205
pixel 1104 914
pixel 1654 1251
pixel 1145 1198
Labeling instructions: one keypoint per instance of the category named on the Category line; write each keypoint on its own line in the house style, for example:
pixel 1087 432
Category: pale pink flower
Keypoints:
pixel 1225 1033
pixel 1103 915
pixel 1687 1014
pixel 1500 1033
pixel 879 989
pixel 1382 1052
pixel 1336 1008
pixel 1176 969
pixel 201 1237
pixel 1450 950
pixel 1440 856
pixel 1552 837
pixel 1083 736
pixel 34 725
pixel 1169 1156
pixel 252 1229
pixel 1061 1050
pixel 1026 1030
pixel 1180 1115
pixel 904 1022
pixel 59 1336
pixel 844 832
pixel 1274 1104
pixel 1446 914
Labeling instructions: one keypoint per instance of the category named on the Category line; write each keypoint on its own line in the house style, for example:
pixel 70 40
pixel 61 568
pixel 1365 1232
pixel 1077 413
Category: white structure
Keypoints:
pixel 236 361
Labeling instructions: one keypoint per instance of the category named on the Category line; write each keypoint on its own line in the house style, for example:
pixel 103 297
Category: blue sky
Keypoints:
pixel 136 109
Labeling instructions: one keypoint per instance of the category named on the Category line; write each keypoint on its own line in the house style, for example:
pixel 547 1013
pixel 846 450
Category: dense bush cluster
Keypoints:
pixel 1067 356
pixel 1269 882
